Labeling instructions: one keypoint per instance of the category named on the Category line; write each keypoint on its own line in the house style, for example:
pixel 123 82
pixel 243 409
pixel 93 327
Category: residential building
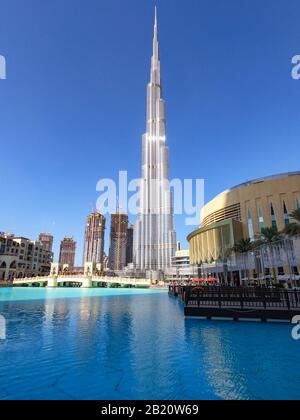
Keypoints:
pixel 118 241
pixel 94 239
pixel 21 257
pixel 67 252
pixel 46 240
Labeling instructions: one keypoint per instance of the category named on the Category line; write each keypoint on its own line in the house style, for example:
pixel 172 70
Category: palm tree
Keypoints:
pixel 243 247
pixel 296 215
pixel 293 229
pixel 270 235
pixel 223 259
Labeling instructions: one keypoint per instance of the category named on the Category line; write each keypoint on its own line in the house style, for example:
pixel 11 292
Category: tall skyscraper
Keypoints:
pixel 67 252
pixel 129 245
pixel 118 241
pixel 94 238
pixel 155 237
pixel 46 240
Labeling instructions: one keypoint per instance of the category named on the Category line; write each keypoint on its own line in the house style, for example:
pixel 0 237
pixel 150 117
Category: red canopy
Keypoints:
pixel 209 280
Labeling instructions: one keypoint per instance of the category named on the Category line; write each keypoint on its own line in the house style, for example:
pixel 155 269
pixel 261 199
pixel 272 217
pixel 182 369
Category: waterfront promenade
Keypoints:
pixel 238 303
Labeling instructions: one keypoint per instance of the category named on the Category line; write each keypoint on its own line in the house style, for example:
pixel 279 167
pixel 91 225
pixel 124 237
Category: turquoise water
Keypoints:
pixel 136 344
pixel 41 293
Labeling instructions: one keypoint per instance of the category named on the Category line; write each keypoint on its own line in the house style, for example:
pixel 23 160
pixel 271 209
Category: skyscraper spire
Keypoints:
pixel 155 238
pixel 155 25
pixel 155 65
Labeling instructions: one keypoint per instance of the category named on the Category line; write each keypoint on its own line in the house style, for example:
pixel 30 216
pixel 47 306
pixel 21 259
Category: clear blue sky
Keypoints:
pixel 72 109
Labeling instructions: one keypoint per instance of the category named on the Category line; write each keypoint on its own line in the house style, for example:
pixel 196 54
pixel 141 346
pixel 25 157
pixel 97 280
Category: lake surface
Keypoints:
pixel 136 344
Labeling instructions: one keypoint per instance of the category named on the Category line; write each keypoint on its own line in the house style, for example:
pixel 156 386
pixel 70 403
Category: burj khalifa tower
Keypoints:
pixel 155 237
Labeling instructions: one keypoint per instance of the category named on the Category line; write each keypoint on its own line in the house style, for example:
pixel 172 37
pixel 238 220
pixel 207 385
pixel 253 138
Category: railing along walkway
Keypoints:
pixel 218 300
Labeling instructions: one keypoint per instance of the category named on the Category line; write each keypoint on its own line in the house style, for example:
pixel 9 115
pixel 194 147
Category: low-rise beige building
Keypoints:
pixel 21 257
pixel 181 268
pixel 242 212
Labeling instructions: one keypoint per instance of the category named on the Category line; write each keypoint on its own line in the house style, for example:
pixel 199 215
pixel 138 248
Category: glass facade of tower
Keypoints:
pixel 155 237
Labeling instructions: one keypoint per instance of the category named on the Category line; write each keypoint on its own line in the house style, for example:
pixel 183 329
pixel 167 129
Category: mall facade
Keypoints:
pixel 242 212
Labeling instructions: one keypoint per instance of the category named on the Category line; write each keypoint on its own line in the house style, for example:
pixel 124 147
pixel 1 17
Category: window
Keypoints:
pixel 250 225
pixel 273 217
pixel 280 271
pixel 296 271
pixel 285 215
pixel 261 221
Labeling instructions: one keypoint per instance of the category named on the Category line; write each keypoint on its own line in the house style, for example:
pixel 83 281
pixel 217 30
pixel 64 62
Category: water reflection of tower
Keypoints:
pixel 104 328
pixel 219 359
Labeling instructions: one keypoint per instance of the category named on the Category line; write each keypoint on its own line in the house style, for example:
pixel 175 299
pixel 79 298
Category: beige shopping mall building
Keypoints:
pixel 241 212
